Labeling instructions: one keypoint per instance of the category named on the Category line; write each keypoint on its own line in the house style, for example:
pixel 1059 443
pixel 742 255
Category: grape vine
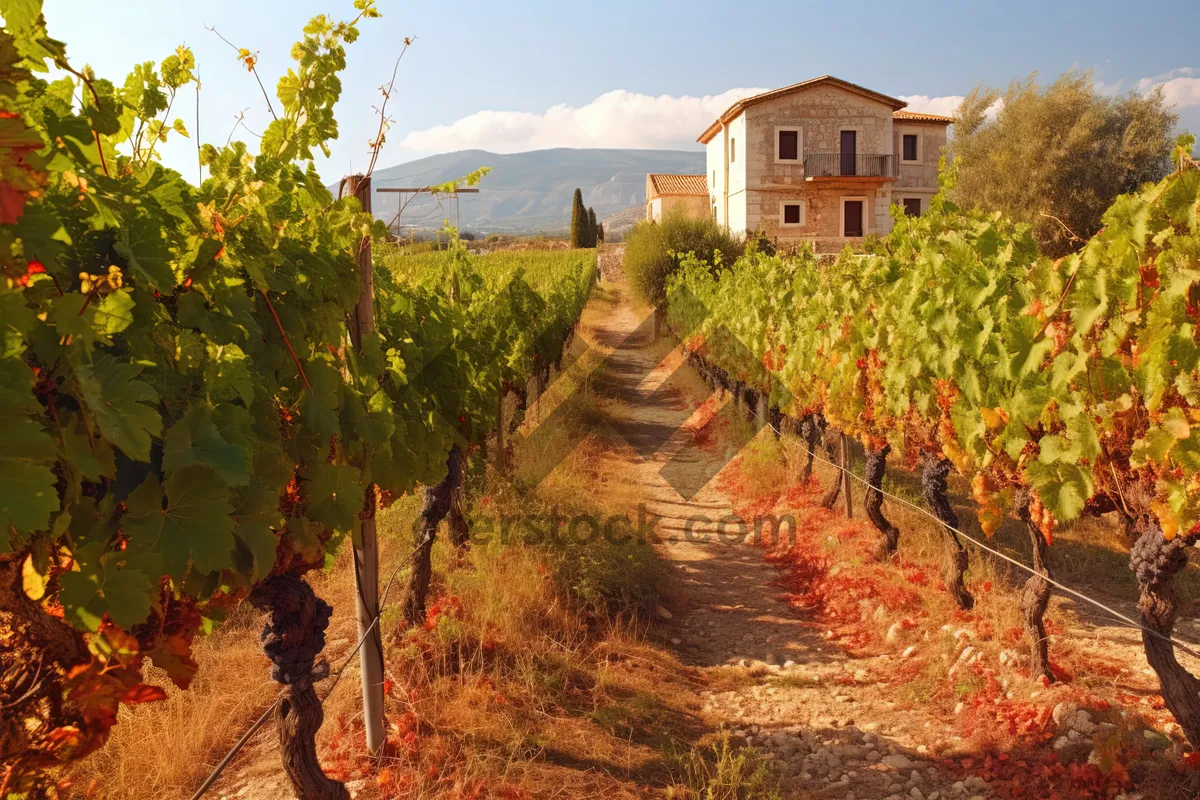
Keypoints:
pixel 1059 388
pixel 187 426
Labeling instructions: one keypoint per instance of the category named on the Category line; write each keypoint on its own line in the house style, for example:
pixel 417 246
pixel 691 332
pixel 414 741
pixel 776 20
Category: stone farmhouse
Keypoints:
pixel 822 160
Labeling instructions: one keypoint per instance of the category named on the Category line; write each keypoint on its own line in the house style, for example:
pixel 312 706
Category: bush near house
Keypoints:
pixel 653 251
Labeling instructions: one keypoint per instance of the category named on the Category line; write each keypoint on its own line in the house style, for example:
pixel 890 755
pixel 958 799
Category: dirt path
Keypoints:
pixel 775 682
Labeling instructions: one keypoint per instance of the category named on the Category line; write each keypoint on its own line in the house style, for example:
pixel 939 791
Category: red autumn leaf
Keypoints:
pixel 143 693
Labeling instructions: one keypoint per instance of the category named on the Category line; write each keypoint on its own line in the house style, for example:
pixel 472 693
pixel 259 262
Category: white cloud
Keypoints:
pixel 1181 86
pixel 924 104
pixel 624 119
pixel 614 119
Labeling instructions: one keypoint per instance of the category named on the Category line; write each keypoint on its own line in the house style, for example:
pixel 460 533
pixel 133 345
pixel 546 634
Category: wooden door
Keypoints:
pixel 852 211
pixel 849 152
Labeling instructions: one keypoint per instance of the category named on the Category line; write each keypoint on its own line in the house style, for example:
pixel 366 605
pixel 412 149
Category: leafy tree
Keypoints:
pixel 593 236
pixel 1057 156
pixel 579 220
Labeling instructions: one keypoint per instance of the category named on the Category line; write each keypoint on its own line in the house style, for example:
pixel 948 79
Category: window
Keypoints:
pixel 791 213
pixel 789 145
pixel 910 151
pixel 714 183
pixel 912 206
pixel 732 150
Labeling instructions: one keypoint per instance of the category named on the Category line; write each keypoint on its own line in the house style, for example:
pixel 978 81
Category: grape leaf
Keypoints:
pixel 194 439
pixel 193 526
pixel 92 456
pixel 334 495
pixel 146 252
pixel 27 493
pixel 121 404
pixel 115 313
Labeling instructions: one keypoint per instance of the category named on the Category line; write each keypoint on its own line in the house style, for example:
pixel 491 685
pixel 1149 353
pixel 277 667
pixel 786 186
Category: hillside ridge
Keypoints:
pixel 528 192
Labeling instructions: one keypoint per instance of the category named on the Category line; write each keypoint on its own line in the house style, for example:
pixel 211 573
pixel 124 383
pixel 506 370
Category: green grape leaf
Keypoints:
pixel 334 495
pixel 1027 348
pixel 1064 488
pixel 115 313
pixel 142 246
pixel 257 516
pixel 27 493
pixel 92 456
pixel 193 526
pixel 194 439
pixel 105 586
pixel 121 404
pixel 75 316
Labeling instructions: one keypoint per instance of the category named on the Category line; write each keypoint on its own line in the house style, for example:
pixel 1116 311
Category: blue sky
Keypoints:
pixel 524 74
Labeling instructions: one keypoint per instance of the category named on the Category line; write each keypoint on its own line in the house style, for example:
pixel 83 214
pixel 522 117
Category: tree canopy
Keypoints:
pixel 1057 156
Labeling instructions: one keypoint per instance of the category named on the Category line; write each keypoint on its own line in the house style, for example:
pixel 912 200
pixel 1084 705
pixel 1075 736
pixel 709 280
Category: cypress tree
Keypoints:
pixel 592 227
pixel 600 233
pixel 579 221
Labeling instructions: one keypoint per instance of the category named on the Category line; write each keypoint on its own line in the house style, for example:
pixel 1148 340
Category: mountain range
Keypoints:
pixel 527 192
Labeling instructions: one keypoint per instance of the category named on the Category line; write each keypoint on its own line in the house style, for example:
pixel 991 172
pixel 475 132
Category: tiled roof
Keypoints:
pixel 741 105
pixel 677 184
pixel 915 116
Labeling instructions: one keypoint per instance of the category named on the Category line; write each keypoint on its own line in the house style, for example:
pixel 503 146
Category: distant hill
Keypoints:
pixel 530 192
pixel 618 224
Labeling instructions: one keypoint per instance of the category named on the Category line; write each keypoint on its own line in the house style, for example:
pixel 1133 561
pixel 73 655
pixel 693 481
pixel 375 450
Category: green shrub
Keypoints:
pixel 653 250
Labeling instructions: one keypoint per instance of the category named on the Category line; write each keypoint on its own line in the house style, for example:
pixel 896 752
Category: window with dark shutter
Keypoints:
pixel 912 206
pixel 910 147
pixel 791 214
pixel 789 145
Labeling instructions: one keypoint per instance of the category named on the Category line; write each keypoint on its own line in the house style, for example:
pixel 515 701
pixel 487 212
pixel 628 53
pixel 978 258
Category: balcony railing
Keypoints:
pixel 850 165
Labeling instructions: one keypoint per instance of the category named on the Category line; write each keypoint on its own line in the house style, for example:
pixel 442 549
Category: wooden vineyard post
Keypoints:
pixel 846 476
pixel 366 552
pixel 761 411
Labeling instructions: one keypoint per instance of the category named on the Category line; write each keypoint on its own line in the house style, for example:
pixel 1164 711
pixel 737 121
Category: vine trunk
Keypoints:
pixel 292 638
pixel 1155 560
pixel 437 503
pixel 875 466
pixel 1035 597
pixel 934 470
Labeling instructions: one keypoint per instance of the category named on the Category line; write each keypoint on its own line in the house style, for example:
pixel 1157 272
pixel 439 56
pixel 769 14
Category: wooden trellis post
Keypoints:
pixel 846 476
pixel 366 553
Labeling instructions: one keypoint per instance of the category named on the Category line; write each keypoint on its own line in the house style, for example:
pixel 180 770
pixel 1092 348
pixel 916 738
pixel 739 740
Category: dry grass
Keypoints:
pixel 163 750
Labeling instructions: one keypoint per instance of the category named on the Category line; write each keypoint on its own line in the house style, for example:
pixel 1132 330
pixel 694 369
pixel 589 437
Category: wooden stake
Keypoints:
pixel 366 552
pixel 846 476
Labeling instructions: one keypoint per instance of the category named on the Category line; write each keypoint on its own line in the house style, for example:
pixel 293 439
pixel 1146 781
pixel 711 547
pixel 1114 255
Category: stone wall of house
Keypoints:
pixel 822 211
pixel 924 174
pixel 821 113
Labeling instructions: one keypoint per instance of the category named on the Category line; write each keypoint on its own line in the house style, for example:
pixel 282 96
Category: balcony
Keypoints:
pixel 842 166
